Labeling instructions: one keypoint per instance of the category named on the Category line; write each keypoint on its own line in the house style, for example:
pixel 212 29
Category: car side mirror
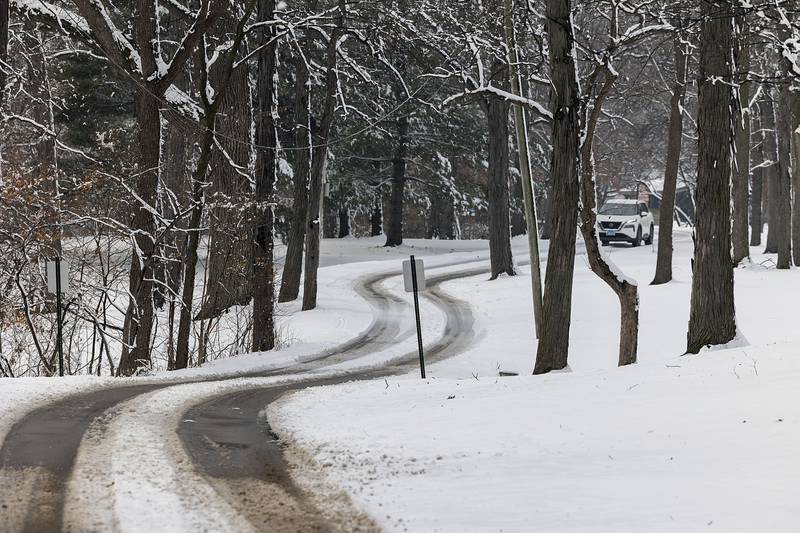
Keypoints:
pixel 643 214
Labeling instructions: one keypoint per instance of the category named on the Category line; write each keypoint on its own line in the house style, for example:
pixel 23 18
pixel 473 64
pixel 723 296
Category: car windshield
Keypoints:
pixel 618 209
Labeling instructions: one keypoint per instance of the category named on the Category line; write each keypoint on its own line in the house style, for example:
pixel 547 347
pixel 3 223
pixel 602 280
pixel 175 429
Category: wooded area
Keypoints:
pixel 187 158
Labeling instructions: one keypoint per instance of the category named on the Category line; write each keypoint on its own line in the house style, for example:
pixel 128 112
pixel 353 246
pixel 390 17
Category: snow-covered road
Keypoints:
pixel 100 459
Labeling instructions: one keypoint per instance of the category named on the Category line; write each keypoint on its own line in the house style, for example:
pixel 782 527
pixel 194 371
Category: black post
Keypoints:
pixel 58 317
pixel 416 311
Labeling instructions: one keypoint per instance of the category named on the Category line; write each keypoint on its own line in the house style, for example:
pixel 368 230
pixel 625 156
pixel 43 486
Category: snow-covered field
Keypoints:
pixel 675 443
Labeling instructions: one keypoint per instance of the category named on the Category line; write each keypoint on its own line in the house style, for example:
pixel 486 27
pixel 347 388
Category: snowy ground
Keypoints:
pixel 672 444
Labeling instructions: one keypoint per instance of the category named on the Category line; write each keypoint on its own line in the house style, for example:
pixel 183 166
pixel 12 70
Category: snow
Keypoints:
pixel 674 443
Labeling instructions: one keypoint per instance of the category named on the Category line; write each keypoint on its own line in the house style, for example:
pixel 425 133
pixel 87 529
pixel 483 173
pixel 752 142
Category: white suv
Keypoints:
pixel 625 221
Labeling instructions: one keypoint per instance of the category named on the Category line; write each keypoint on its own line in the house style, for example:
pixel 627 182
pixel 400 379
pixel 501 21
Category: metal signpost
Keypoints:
pixel 414 281
pixel 56 280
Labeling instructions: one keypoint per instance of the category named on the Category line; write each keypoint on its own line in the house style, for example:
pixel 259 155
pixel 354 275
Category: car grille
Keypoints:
pixel 610 225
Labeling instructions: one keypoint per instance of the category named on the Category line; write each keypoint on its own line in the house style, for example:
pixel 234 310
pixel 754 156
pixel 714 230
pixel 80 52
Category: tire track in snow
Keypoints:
pixel 230 441
pixel 39 452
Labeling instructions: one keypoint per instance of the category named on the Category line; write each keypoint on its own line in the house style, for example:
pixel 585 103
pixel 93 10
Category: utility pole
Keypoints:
pixel 521 125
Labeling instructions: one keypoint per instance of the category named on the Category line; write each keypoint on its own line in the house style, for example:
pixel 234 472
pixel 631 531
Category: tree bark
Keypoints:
pixel 712 318
pixel 674 141
pixel 771 171
pixel 266 172
pixel 199 180
pixel 497 109
pixel 756 199
pixel 293 264
pixel 4 18
pixel 192 243
pixel 741 173
pixel 319 163
pixel 796 179
pixel 138 323
pixel 394 226
pixel 784 208
pixel 229 194
pixel 756 222
pixel 553 348
pixel 344 222
pixel 376 218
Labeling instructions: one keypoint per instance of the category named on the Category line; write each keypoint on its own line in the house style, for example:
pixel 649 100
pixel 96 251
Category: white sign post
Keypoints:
pixel 63 281
pixel 57 281
pixel 414 279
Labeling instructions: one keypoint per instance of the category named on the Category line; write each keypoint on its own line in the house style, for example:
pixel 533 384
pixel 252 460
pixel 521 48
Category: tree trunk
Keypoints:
pixel 344 222
pixel 441 216
pixel 4 18
pixel 757 198
pixel 293 265
pixel 784 208
pixel 500 256
pixel 394 226
pixel 192 243
pixel 266 172
pixel 553 345
pixel 771 172
pixel 175 152
pixel 376 218
pixel 229 195
pixel 796 179
pixel 674 141
pixel 330 215
pixel 712 318
pixel 741 173
pixel 319 166
pixel 138 323
pixel 199 179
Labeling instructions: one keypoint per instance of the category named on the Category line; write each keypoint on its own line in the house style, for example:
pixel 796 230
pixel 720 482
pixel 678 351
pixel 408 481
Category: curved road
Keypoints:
pixel 39 452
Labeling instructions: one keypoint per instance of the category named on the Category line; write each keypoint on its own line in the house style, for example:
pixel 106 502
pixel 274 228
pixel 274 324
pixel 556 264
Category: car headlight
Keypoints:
pixel 630 224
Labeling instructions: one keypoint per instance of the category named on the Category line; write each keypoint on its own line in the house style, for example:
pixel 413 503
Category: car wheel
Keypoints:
pixel 638 239
pixel 649 240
